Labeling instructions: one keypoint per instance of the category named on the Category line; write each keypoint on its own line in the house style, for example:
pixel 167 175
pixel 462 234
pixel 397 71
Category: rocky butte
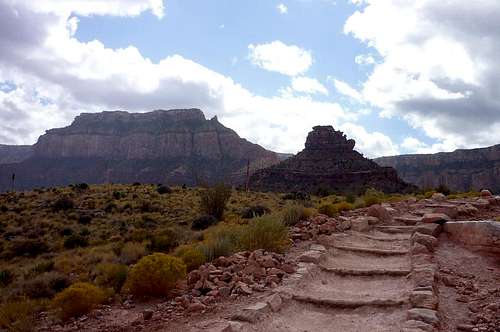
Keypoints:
pixel 460 170
pixel 328 161
pixel 172 147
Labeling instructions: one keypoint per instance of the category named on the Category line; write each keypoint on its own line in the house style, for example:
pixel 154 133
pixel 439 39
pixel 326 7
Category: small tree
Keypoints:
pixel 214 200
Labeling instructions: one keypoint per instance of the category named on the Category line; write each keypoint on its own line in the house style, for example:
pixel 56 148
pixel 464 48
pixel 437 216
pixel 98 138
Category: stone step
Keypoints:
pixel 350 304
pixel 385 238
pixel 374 251
pixel 356 260
pixel 304 316
pixel 395 229
pixel 366 272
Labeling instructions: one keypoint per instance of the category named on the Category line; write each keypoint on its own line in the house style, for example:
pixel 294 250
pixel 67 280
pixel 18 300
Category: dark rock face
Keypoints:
pixel 328 161
pixel 173 147
pixel 461 170
pixel 14 153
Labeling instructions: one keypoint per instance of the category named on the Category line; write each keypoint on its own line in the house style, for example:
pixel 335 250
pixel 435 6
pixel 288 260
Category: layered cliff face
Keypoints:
pixel 174 147
pixel 14 153
pixel 461 170
pixel 328 161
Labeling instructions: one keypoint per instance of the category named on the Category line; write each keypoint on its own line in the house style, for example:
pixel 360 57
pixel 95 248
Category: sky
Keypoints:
pixel 397 76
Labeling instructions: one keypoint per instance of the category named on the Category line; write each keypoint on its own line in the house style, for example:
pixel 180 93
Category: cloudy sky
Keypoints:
pixel 398 76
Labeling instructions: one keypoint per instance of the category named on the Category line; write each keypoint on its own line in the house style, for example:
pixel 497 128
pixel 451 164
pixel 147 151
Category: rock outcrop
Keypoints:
pixel 174 147
pixel 328 161
pixel 461 170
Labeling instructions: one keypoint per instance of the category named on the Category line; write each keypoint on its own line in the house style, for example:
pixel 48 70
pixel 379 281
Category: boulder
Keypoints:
pixel 425 315
pixel 360 224
pixel 486 193
pixel 429 241
pixel 438 197
pixel 311 256
pixel 424 299
pixel 379 212
pixel 439 218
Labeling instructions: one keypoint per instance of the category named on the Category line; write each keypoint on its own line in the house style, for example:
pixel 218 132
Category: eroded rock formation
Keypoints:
pixel 461 170
pixel 174 147
pixel 14 153
pixel 328 161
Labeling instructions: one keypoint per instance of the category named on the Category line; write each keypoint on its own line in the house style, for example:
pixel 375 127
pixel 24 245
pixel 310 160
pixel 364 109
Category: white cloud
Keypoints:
pixel 52 77
pixel 438 67
pixel 373 144
pixel 308 85
pixel 282 8
pixel 278 57
pixel 364 59
pixel 345 89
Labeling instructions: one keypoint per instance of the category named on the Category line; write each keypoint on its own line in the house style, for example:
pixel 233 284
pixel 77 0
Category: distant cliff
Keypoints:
pixel 174 147
pixel 14 153
pixel 461 170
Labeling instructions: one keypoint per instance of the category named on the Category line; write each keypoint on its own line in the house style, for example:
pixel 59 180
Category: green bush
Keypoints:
pixel 45 285
pixel 214 200
pixel 111 275
pixel 221 240
pixel 191 255
pixel 78 299
pixel 344 206
pixel 6 277
pixel 203 222
pixel 164 242
pixel 63 204
pixel 163 190
pixel 267 233
pixel 328 209
pixel 254 211
pixel 292 215
pixel 131 252
pixel 443 189
pixel 155 275
pixel 30 248
pixel 372 197
pixel 75 241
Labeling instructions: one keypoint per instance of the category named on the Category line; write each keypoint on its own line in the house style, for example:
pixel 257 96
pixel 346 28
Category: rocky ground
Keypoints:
pixel 390 267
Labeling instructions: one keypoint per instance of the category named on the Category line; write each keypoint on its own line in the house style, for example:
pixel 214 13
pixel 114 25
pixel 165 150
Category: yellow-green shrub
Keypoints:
pixel 78 299
pixel 328 209
pixel 265 232
pixel 155 275
pixel 111 275
pixel 308 212
pixel 221 240
pixel 131 252
pixel 344 206
pixel 17 316
pixel 292 215
pixel 191 255
pixel 372 197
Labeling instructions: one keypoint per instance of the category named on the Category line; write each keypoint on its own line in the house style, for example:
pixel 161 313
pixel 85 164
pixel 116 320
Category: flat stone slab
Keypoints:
pixel 396 229
pixel 480 235
pixel 311 256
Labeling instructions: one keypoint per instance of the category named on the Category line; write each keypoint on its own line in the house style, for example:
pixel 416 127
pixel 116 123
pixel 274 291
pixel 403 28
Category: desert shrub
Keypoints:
pixel 297 195
pixel 45 285
pixel 131 252
pixel 63 203
pixel 118 195
pixel 428 194
pixel 148 206
pixel 29 247
pixel 323 191
pixel 41 267
pixel 6 277
pixel 267 233
pixel 350 198
pixel 254 211
pixel 78 299
pixel 66 231
pixel 214 200
pixel 75 241
pixel 372 197
pixel 4 209
pixel 17 316
pixel 344 206
pixel 81 186
pixel 497 218
pixel 111 275
pixel 191 255
pixel 155 275
pixel 203 222
pixel 443 189
pixel 136 184
pixel 292 215
pixel 84 219
pixel 163 242
pixel 328 209
pixel 163 190
pixel 221 240
pixel 110 207
pixel 308 212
